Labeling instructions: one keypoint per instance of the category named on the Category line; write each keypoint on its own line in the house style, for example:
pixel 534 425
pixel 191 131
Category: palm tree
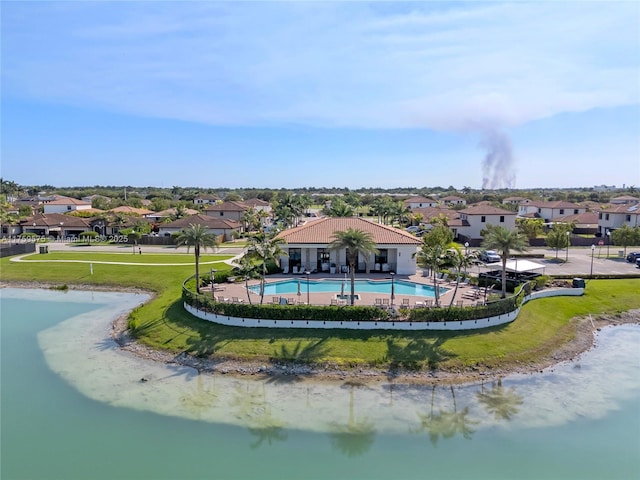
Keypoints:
pixel 356 242
pixel 196 236
pixel 339 208
pixel 247 269
pixel 264 249
pixel 434 253
pixel 504 241
pixel 459 260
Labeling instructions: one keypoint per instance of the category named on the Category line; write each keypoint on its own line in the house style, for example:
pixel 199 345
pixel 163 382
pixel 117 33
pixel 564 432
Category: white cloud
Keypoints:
pixel 337 64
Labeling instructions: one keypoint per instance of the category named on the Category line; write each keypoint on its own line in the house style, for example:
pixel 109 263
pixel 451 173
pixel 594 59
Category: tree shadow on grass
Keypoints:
pixel 416 354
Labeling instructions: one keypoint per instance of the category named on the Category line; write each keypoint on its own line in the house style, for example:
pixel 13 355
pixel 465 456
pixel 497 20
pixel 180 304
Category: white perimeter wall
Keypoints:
pixel 387 325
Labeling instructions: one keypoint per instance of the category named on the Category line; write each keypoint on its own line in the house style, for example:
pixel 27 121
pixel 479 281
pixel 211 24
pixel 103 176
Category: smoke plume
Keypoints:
pixel 498 165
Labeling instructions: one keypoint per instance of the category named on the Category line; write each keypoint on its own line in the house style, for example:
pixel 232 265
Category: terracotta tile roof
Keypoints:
pixel 227 207
pixel 55 219
pixel 621 208
pixel 131 210
pixel 204 220
pixel 625 198
pixel 253 202
pixel 588 218
pixel 322 232
pixel 172 211
pixel 451 198
pixel 485 210
pixel 68 201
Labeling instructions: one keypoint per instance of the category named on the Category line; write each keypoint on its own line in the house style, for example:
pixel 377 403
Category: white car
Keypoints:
pixel 489 256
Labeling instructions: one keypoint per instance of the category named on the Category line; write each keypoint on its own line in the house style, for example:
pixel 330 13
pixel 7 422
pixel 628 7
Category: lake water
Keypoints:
pixel 73 407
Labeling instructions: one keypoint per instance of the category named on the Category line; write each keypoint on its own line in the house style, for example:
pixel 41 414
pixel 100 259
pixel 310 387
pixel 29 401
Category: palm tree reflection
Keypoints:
pixel 502 402
pixel 356 436
pixel 446 424
pixel 200 400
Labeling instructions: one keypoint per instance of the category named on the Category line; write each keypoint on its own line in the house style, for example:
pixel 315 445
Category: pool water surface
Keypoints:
pixel 383 287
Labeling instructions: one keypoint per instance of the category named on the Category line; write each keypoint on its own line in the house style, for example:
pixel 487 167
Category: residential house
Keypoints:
pixel 549 211
pixel 476 218
pixel 227 210
pixel 618 215
pixel 515 200
pixel 205 199
pixel 258 205
pixel 164 215
pixel 307 247
pixel 584 223
pixel 453 200
pixel 625 200
pixel 55 225
pixel 420 202
pixel 65 204
pixel 127 210
pixel 222 228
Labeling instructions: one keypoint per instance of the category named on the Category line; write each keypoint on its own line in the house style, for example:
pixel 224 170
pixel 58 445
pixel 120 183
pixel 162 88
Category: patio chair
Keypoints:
pixel 428 303
pixel 291 301
pixel 385 302
pixel 405 302
pixel 275 299
pixel 443 278
pixel 378 302
pixel 334 301
pixel 459 303
pixel 237 300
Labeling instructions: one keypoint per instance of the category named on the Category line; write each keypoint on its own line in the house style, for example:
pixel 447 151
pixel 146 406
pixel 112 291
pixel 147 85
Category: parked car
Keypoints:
pixel 489 256
pixel 632 257
pixel 413 229
pixel 638 262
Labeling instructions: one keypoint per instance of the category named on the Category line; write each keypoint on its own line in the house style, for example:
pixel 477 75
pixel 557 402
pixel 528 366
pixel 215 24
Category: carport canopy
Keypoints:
pixel 518 266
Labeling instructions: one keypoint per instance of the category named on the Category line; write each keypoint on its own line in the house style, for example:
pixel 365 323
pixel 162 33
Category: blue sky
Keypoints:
pixel 303 94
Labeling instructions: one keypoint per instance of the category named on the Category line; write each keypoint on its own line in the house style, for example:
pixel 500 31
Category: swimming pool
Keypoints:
pixel 401 287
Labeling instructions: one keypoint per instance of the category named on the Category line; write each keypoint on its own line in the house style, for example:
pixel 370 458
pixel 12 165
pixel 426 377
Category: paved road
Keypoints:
pixel 580 262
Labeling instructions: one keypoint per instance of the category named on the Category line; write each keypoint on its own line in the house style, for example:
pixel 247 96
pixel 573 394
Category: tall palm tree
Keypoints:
pixel 196 236
pixel 504 241
pixel 356 242
pixel 247 269
pixel 264 249
pixel 434 254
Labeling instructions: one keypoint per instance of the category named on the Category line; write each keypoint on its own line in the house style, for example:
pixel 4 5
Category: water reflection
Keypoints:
pixel 446 423
pixel 502 402
pixel 356 436
pixel 352 414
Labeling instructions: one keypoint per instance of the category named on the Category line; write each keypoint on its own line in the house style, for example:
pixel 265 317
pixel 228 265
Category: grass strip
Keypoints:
pixel 543 325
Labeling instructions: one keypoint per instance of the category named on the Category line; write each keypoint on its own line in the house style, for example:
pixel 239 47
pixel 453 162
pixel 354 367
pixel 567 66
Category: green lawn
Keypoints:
pixel 128 257
pixel 542 326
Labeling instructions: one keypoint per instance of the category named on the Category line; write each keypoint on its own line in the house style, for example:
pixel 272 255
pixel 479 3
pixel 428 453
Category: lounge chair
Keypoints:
pixel 275 299
pixel 334 301
pixel 237 300
pixel 405 302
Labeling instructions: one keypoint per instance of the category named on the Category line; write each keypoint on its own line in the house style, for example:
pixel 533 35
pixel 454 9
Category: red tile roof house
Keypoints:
pixel 223 228
pixel 227 210
pixel 420 202
pixel 55 225
pixel 65 204
pixel 618 215
pixel 453 200
pixel 549 211
pixel 476 218
pixel 307 250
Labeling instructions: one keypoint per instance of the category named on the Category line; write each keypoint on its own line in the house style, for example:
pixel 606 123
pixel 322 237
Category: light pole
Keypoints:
pixel 608 241
pixel 466 255
pixel 568 242
pixel 393 293
pixel 593 249
pixel 308 303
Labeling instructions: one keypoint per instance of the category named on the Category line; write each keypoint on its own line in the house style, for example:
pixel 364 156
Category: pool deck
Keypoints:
pixel 237 292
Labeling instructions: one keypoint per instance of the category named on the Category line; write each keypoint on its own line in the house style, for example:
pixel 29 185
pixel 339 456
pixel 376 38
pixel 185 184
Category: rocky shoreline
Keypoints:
pixel 584 339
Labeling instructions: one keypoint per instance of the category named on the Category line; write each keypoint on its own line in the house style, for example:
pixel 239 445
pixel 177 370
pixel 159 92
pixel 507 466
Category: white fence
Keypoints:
pixel 386 325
